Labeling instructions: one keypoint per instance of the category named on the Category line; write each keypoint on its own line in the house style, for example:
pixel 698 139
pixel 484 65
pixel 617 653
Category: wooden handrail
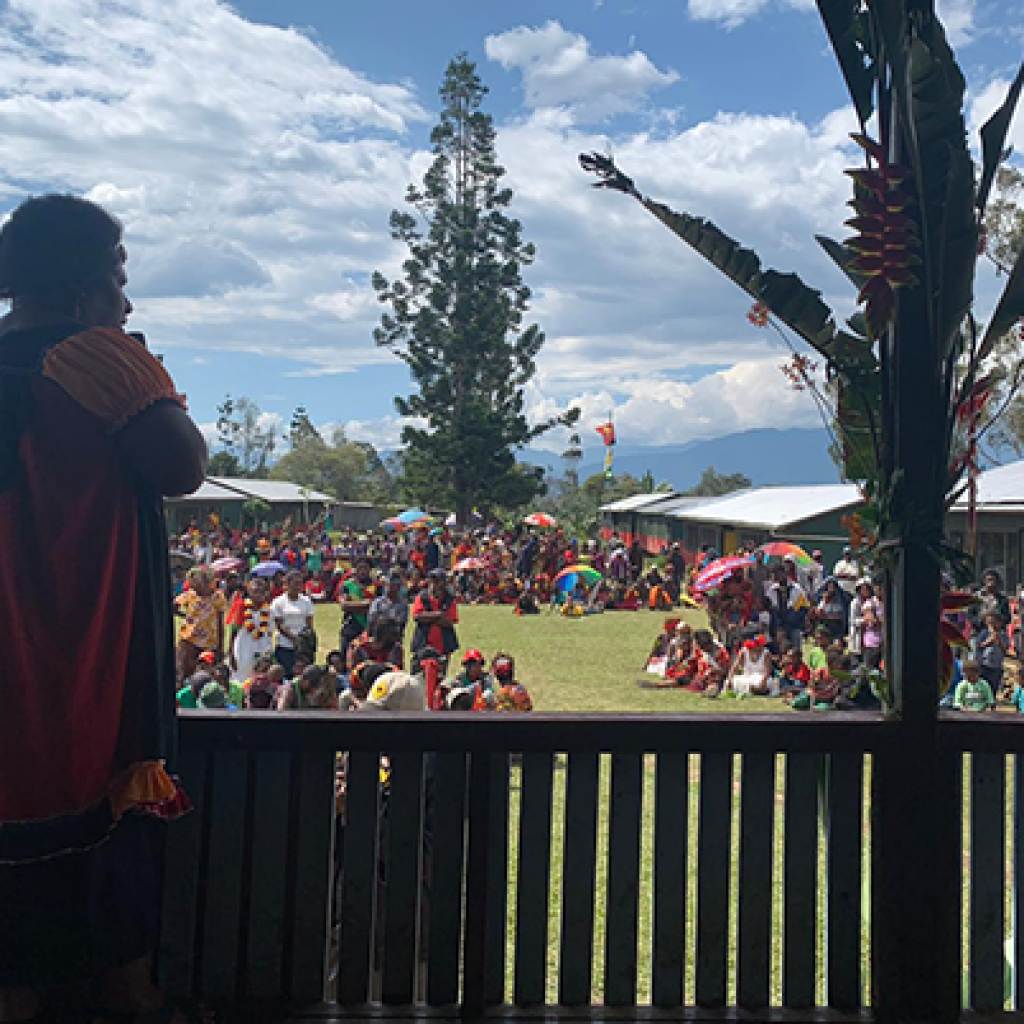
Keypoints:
pixel 325 730
pixel 964 732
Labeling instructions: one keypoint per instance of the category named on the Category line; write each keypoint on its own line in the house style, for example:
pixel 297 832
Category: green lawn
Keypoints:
pixel 588 664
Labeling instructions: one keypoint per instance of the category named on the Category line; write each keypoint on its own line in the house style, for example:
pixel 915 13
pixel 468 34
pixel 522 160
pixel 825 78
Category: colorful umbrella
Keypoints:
pixel 540 519
pixel 569 577
pixel 412 515
pixel 228 565
pixel 392 524
pixel 710 576
pixel 470 565
pixel 268 569
pixel 783 549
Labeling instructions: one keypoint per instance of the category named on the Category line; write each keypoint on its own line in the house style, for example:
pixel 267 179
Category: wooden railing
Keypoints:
pixel 987 754
pixel 713 861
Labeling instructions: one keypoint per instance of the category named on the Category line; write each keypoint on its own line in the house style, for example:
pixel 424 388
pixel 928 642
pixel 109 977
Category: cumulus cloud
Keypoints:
pixel 957 15
pixel 255 175
pixel 559 70
pixel 253 171
pixel 659 410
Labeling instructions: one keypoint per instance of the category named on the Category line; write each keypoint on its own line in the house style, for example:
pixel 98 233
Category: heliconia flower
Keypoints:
pixel 887 238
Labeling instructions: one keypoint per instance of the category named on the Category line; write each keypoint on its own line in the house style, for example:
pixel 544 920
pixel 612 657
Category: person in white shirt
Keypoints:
pixel 813 575
pixel 847 572
pixel 291 613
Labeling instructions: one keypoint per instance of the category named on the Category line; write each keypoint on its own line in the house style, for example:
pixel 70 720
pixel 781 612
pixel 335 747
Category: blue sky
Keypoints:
pixel 255 151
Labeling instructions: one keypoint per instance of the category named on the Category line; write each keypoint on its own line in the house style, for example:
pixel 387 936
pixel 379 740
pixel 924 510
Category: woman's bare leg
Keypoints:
pixel 17 1004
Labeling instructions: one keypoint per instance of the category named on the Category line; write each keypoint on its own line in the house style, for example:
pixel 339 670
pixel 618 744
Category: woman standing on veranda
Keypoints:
pixel 92 436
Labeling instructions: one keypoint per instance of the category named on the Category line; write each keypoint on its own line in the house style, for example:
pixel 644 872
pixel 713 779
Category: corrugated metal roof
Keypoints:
pixel 772 507
pixel 1003 485
pixel 212 491
pixel 672 504
pixel 635 501
pixel 270 491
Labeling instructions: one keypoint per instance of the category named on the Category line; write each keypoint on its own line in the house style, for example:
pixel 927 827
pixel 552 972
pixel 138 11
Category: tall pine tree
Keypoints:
pixel 456 317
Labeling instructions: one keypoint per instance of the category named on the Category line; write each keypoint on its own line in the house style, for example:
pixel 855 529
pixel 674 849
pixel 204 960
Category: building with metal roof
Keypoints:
pixel 225 498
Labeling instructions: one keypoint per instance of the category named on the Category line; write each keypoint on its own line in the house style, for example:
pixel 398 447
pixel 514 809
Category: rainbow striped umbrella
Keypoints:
pixel 712 575
pixel 570 576
pixel 783 549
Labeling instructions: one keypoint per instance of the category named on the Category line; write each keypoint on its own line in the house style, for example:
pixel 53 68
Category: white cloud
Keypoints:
pixel 957 15
pixel 559 70
pixel 255 175
pixel 733 13
pixel 253 171
pixel 659 410
pixel 958 18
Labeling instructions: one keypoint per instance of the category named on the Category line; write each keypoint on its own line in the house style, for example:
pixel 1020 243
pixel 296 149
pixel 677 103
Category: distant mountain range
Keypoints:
pixel 795 456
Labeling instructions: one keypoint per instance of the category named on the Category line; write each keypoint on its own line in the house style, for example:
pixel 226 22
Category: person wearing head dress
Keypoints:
pixel 93 436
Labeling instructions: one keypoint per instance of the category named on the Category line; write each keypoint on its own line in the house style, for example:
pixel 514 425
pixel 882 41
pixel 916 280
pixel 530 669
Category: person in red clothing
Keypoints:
pixel 93 435
pixel 436 614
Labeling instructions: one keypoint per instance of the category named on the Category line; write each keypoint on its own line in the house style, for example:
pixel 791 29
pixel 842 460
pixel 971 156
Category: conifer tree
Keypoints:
pixel 456 317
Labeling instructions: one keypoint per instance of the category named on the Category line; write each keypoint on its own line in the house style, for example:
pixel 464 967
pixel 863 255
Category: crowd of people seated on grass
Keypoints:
pixel 817 641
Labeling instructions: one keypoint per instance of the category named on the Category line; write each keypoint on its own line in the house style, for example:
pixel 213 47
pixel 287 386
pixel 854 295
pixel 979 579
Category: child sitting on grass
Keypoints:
pixel 794 675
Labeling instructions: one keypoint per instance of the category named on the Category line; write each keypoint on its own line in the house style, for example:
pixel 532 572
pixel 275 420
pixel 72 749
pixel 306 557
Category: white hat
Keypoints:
pixel 396 691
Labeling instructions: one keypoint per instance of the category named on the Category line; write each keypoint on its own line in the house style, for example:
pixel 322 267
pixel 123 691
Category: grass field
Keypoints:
pixel 576 665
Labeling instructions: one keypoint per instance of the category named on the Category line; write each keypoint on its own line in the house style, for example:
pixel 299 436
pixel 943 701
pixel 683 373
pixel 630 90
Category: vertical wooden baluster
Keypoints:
pixel 579 869
pixel 757 818
pixel 403 877
pixel 714 852
pixel 622 912
pixel 360 858
pixel 531 945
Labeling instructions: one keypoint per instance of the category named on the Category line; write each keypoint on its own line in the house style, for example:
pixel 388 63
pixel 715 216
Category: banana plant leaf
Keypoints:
pixel 842 257
pixel 1008 311
pixel 929 88
pixel 848 33
pixel 993 139
pixel 795 303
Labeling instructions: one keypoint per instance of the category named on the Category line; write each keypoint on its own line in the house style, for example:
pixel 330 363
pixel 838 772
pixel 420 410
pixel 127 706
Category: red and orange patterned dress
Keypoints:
pixel 87 676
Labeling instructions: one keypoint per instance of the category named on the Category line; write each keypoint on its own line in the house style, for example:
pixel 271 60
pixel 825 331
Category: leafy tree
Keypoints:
pixel 1003 239
pixel 223 464
pixel 301 429
pixel 713 484
pixel 347 470
pixel 573 456
pixel 456 317
pixel 255 509
pixel 242 436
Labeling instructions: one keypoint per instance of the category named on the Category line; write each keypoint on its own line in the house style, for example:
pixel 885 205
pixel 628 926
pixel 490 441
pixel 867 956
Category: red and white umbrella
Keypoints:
pixel 470 565
pixel 540 519
pixel 711 575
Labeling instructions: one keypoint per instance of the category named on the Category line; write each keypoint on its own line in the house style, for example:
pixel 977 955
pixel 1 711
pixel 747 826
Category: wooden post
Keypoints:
pixel 915 894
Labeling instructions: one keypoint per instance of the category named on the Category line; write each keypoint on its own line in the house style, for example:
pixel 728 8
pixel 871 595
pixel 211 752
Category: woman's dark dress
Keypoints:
pixel 87 672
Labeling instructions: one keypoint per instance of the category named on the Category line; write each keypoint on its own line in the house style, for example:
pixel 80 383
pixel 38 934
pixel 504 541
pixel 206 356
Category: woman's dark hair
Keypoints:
pixel 56 243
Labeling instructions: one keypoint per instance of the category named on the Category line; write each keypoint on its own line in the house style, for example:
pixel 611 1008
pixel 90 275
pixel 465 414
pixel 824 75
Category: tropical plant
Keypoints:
pixel 906 373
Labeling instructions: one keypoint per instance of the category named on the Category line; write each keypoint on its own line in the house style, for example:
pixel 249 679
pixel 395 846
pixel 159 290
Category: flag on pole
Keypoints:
pixel 607 432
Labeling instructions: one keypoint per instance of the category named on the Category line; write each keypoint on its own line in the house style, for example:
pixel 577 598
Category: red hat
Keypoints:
pixel 207 657
pixel 472 655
